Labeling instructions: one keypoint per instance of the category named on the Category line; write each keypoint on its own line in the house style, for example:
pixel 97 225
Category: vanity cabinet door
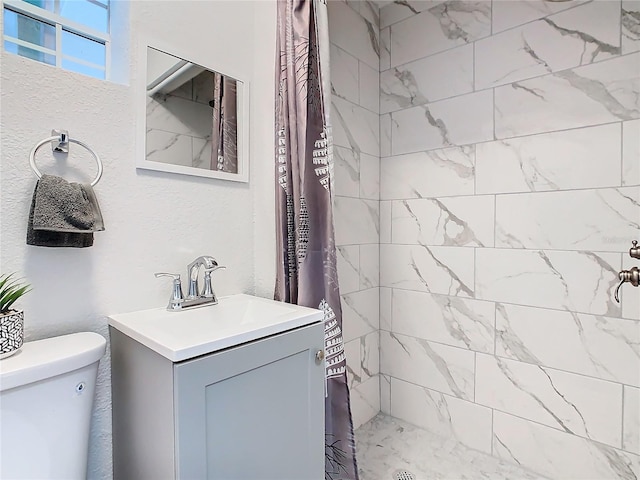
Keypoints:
pixel 253 411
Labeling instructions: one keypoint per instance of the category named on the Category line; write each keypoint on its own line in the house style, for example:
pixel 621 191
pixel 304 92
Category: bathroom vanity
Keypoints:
pixel 227 391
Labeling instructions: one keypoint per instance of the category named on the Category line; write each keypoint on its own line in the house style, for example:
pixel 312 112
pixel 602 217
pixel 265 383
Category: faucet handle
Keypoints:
pixel 208 261
pixel 631 276
pixel 634 251
pixel 214 268
pixel 208 289
pixel 175 276
pixel 176 299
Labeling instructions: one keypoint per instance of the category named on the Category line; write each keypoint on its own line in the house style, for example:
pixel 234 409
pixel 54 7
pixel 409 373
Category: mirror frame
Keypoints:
pixel 140 93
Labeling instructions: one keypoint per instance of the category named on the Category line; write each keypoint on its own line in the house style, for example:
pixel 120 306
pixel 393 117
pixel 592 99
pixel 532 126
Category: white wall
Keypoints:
pixel 154 221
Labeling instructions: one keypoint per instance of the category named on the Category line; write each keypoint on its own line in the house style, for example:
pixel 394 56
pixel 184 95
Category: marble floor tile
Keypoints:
pixel 385 445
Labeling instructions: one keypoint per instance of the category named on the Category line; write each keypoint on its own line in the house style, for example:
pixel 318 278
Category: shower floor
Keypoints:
pixel 386 445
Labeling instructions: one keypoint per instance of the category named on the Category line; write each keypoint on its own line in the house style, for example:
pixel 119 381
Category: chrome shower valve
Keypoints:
pixel 631 276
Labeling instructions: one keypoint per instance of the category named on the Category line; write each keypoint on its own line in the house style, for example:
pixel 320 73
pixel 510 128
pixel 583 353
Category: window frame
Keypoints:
pixel 61 23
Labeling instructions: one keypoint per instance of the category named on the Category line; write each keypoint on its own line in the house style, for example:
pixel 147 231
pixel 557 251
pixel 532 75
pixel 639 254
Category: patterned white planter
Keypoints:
pixel 11 332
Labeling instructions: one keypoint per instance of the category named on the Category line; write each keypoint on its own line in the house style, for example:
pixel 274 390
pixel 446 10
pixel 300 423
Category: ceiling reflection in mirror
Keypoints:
pixel 191 115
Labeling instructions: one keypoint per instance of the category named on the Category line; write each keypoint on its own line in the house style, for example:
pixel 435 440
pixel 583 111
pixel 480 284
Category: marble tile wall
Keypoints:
pixel 179 124
pixel 509 139
pixel 355 56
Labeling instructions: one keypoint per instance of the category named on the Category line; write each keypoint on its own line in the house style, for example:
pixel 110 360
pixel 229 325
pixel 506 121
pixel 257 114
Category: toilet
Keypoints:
pixel 46 399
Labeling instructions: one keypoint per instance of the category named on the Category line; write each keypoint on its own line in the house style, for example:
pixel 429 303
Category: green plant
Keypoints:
pixel 11 289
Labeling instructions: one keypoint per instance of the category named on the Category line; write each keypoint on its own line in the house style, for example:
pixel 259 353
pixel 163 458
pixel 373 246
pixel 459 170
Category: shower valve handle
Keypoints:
pixel 631 276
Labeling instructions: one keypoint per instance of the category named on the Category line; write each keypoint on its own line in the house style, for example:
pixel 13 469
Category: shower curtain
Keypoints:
pixel 224 137
pixel 306 254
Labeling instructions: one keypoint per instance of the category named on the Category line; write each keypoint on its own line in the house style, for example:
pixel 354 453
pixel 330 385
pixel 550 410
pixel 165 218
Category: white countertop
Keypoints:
pixel 181 335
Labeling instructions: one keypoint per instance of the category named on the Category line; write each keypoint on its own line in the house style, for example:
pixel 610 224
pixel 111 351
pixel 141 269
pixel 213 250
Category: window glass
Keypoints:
pixel 29 29
pixel 71 33
pixel 29 53
pixel 84 69
pixel 92 14
pixel 82 48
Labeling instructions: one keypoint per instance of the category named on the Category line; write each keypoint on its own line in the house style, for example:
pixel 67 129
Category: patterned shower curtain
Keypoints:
pixel 224 137
pixel 307 272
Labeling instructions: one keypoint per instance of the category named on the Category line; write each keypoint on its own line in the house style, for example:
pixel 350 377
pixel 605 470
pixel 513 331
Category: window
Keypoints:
pixel 70 34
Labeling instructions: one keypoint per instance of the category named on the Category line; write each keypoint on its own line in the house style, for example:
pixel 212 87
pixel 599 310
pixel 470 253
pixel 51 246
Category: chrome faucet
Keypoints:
pixel 632 275
pixel 194 298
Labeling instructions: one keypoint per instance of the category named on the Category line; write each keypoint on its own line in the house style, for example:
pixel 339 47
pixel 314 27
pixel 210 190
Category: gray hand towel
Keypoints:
pixel 63 214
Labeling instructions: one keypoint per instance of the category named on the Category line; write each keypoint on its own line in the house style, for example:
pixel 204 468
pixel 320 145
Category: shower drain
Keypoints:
pixel 403 475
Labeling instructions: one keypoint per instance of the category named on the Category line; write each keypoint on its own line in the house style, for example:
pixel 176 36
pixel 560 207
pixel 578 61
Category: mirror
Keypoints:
pixel 193 118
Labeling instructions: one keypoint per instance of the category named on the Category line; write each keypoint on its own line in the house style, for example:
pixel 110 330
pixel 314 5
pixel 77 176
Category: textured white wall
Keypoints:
pixel 154 221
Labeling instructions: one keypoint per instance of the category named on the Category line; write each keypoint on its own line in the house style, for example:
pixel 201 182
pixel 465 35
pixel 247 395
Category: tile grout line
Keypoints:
pixel 626 319
pixel 495 224
pixel 501 247
pixel 473 67
pixel 492 20
pixel 620 26
pixel 547 74
pixel 492 34
pixel 493 410
pixel 495 329
pixel 502 139
pixel 475 374
pixel 475 272
pixel 504 194
pixel 622 183
pixel 515 360
pixel 492 431
pixel 495 220
pixel 493 111
pixel 623 415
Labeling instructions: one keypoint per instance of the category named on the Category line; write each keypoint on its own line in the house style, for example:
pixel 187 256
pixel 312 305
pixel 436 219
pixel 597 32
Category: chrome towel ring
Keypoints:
pixel 60 143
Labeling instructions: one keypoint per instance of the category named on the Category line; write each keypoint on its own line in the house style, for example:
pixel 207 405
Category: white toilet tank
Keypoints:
pixel 46 399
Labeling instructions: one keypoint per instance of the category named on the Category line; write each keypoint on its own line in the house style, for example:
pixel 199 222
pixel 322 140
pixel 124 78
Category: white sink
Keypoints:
pixel 236 319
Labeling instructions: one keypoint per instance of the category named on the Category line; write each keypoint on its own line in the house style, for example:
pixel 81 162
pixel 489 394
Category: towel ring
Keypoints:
pixel 32 156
